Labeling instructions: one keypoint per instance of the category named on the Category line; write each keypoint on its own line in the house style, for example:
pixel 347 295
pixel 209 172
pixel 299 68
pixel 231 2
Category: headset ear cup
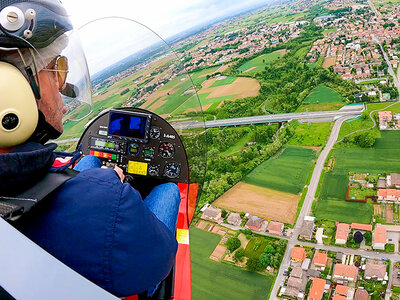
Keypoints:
pixel 18 108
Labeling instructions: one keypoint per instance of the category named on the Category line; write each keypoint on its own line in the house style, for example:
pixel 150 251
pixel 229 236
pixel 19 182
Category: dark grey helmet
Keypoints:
pixel 34 22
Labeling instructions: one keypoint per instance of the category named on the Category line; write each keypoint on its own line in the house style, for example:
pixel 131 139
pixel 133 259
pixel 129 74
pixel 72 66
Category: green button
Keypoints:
pixel 114 156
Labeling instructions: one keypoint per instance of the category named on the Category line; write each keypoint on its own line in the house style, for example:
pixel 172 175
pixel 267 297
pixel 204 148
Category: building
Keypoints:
pixel 320 260
pixel 379 238
pixel 388 195
pixel 294 286
pixel 361 294
pixel 254 223
pixel 298 254
pixel 317 289
pixel 342 233
pixel 297 272
pixel 212 214
pixel 341 290
pixel 307 229
pixel 345 272
pixel 384 118
pixel 234 219
pixel 275 227
pixel 395 179
pixel 338 297
pixel 375 271
pixel 361 227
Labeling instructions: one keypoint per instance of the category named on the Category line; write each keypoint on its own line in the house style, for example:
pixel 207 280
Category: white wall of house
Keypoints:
pixel 340 241
pixel 380 246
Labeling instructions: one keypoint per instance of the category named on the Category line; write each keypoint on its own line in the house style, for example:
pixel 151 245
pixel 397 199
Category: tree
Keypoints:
pixel 358 237
pixel 365 139
pixel 253 265
pixel 265 259
pixel 281 246
pixel 233 243
pixel 368 237
pixel 224 213
pixel 239 255
pixel 270 249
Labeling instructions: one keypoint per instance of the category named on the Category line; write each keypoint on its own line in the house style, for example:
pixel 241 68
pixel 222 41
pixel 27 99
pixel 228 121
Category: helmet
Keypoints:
pixel 38 36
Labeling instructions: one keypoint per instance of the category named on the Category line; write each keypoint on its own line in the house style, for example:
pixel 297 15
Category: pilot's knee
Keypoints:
pixel 88 162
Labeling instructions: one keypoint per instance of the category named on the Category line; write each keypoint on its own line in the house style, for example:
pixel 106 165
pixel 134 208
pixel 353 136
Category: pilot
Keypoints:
pixel 94 223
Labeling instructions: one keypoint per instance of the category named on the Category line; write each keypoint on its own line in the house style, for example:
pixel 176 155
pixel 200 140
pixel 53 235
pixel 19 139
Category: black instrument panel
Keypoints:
pixel 141 143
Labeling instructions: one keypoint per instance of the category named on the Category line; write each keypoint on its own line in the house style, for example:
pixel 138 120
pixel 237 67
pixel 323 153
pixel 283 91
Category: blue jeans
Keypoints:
pixel 163 200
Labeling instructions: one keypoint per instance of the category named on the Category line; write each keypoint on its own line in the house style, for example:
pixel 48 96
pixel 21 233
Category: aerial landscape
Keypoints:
pixel 299 108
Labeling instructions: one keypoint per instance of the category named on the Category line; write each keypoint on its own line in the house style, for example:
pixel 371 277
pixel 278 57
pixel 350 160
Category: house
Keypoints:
pixel 317 289
pixel 375 271
pixel 320 260
pixel 307 229
pixel 306 264
pixel 361 227
pixel 344 272
pixel 298 254
pixel 297 272
pixel 361 294
pixel 384 118
pixel 254 223
pixel 341 290
pixel 395 179
pixel 234 219
pixel 342 233
pixel 379 238
pixel 338 297
pixel 381 182
pixel 391 195
pixel 293 287
pixel 212 214
pixel 275 227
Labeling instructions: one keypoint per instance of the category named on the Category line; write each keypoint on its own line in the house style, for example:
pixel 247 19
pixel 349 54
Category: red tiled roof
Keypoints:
pixel 345 271
pixel 358 226
pixel 342 231
pixel 361 294
pixel 275 227
pixel 341 290
pixel 380 235
pixel 317 289
pixel 298 253
pixel 320 258
pixel 389 193
pixel 338 297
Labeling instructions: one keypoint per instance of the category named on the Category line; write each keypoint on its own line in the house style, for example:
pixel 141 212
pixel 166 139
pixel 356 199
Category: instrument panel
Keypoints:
pixel 141 143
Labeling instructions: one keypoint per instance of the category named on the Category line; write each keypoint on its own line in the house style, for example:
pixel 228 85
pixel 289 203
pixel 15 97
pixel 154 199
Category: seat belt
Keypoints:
pixel 16 205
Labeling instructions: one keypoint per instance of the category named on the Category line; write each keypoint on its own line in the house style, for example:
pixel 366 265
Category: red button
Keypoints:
pixel 91 152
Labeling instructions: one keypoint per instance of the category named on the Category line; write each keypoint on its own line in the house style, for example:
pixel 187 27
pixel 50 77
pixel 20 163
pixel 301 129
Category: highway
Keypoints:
pixel 351 110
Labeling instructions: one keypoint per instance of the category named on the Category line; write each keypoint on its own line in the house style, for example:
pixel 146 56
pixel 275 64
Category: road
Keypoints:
pixel 350 110
pixel 312 188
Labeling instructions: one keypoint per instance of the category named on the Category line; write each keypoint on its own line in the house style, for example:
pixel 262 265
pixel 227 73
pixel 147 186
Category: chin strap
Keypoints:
pixel 44 131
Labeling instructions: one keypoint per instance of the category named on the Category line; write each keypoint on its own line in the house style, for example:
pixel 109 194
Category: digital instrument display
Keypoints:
pixel 137 168
pixel 106 144
pixel 134 126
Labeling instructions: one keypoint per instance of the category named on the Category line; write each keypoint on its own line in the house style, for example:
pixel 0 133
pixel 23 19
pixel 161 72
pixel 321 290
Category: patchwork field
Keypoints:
pixel 219 281
pixel 383 157
pixel 257 64
pixel 286 172
pixel 259 201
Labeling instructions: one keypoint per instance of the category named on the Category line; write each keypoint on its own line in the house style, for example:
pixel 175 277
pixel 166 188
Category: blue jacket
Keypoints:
pixel 96 225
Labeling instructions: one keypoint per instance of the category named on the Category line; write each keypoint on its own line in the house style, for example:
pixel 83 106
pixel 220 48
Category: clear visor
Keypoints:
pixel 59 74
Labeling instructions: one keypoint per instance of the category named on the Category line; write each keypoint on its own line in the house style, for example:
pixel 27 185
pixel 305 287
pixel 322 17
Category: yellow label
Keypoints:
pixel 137 168
pixel 182 236
pixel 96 153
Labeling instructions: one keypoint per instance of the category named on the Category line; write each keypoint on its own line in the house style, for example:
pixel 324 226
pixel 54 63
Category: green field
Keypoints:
pixel 314 134
pixel 322 94
pixel 214 280
pixel 225 81
pixel 259 62
pixel 383 157
pixel 192 102
pixel 286 172
pixel 238 146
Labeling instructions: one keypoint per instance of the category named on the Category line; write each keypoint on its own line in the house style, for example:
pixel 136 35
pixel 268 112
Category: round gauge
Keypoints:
pixel 153 170
pixel 134 149
pixel 155 133
pixel 166 150
pixel 172 170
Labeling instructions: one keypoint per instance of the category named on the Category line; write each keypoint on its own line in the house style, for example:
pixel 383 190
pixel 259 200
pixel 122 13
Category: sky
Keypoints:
pixel 108 41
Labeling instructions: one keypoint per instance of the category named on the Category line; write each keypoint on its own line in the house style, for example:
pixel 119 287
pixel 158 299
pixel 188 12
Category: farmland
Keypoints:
pixel 257 64
pixel 314 134
pixel 260 201
pixel 214 280
pixel 292 164
pixel 381 158
pixel 322 98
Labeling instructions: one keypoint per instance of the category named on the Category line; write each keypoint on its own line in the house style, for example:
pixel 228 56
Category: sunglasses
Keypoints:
pixel 59 65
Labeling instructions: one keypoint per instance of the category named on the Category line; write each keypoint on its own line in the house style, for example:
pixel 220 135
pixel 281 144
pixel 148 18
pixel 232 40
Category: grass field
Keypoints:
pixel 383 157
pixel 322 94
pixel 219 281
pixel 314 134
pixel 257 64
pixel 227 80
pixel 286 172
pixel 319 107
